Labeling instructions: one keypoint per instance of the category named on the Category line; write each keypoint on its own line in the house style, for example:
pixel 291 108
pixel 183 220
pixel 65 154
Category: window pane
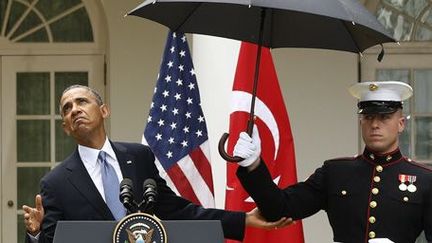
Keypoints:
pixel 395 75
pixel 30 21
pixel 429 19
pixel 38 36
pixel 424 138
pixel 50 8
pixel 3 5
pixel 396 24
pixel 28 184
pixel 75 27
pixel 33 140
pixel 66 79
pixel 33 93
pixel 65 145
pixel 423 90
pixel 21 228
pixel 17 9
pixel 414 7
pixel 404 139
pixel 423 34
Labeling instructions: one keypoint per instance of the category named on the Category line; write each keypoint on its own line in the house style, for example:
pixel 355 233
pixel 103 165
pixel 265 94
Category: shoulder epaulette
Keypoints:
pixel 421 165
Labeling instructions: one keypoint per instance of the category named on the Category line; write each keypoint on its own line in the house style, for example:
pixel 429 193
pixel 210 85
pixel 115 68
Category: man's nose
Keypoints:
pixel 375 122
pixel 75 108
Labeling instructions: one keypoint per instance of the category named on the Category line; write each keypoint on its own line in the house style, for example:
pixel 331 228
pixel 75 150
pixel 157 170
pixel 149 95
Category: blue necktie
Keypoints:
pixel 111 187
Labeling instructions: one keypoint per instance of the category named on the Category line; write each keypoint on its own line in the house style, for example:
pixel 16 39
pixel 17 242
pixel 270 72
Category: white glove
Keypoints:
pixel 248 148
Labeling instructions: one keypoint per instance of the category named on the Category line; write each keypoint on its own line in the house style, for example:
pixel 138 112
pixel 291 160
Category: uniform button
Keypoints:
pixel 373 204
pixel 377 179
pixel 343 192
pixel 375 191
pixel 379 168
pixel 371 234
pixel 372 219
pixel 406 199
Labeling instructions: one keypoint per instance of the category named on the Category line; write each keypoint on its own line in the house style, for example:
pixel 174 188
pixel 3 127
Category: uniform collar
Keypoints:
pixel 382 159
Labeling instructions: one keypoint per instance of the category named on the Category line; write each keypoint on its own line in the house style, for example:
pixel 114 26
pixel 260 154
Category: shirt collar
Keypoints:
pixel 382 159
pixel 90 155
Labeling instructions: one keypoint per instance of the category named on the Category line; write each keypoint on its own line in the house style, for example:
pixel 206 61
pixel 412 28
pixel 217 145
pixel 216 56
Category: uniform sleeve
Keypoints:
pixel 297 201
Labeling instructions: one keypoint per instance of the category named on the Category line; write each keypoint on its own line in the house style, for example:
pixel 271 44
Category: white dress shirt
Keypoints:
pixel 89 156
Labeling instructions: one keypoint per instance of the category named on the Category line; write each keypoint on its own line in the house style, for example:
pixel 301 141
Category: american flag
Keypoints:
pixel 176 129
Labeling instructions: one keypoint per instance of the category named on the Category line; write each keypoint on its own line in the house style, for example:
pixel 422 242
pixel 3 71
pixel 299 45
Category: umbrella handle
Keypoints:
pixel 225 136
pixel 224 154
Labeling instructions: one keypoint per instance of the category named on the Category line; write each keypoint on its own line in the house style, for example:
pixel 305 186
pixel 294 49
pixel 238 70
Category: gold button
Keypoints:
pixel 377 179
pixel 375 191
pixel 372 219
pixel 406 199
pixel 379 168
pixel 372 234
pixel 373 204
pixel 343 192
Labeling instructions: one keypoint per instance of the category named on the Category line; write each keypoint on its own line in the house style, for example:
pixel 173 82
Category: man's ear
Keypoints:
pixel 66 129
pixel 105 111
pixel 402 122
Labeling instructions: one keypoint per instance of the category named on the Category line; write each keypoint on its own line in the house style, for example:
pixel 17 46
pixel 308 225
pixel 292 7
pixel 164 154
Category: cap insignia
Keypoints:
pixel 373 87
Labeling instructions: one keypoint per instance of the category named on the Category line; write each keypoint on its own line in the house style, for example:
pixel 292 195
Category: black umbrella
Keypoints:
pixel 343 25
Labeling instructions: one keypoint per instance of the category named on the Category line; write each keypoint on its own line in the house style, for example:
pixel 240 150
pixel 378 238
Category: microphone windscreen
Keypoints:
pixel 149 183
pixel 126 182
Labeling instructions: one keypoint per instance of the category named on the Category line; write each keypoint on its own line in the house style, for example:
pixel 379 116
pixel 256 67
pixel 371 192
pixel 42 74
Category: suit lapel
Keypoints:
pixel 81 180
pixel 126 162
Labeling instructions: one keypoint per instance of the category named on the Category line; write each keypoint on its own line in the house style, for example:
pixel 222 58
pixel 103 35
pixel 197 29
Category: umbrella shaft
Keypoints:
pixel 256 76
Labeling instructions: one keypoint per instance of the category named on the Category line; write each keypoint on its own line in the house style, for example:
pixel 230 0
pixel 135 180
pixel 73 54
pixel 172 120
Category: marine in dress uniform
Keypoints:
pixel 370 196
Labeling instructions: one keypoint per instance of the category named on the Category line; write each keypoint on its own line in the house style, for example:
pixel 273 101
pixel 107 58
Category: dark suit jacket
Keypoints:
pixel 361 196
pixel 68 193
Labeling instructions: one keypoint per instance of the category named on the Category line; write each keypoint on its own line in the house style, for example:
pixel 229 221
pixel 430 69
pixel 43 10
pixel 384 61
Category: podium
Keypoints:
pixel 178 231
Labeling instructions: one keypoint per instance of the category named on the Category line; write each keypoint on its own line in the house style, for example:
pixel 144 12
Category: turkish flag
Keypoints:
pixel 276 138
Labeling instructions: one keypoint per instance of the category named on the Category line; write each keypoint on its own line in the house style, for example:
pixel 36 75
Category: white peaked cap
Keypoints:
pixel 381 91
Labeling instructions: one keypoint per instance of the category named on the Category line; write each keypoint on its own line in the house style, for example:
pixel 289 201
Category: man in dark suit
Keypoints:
pixel 76 190
pixel 378 196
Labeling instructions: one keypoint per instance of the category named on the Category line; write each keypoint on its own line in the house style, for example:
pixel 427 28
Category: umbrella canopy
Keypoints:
pixel 344 25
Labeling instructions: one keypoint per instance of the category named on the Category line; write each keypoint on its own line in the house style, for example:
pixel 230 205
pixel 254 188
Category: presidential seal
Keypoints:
pixel 139 228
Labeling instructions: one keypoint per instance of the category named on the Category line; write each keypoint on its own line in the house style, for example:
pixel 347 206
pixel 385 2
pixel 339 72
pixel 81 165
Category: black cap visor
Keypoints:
pixel 378 107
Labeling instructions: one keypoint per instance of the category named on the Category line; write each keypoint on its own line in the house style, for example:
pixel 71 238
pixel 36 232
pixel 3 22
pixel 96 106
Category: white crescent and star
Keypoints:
pixel 241 101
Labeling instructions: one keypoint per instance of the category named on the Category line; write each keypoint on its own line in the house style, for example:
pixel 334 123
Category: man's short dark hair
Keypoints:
pixel 96 94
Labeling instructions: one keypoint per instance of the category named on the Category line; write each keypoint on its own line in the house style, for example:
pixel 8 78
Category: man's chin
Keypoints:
pixel 80 130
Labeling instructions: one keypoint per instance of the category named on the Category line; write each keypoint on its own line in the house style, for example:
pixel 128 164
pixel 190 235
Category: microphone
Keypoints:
pixel 127 195
pixel 150 195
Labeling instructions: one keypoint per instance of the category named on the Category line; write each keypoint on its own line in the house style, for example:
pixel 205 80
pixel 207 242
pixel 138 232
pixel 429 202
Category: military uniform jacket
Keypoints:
pixel 365 197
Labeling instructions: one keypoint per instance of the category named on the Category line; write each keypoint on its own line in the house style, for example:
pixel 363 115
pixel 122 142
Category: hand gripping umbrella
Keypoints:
pixel 343 25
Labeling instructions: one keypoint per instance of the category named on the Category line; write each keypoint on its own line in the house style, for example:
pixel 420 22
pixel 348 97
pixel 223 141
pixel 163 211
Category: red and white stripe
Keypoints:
pixel 191 177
